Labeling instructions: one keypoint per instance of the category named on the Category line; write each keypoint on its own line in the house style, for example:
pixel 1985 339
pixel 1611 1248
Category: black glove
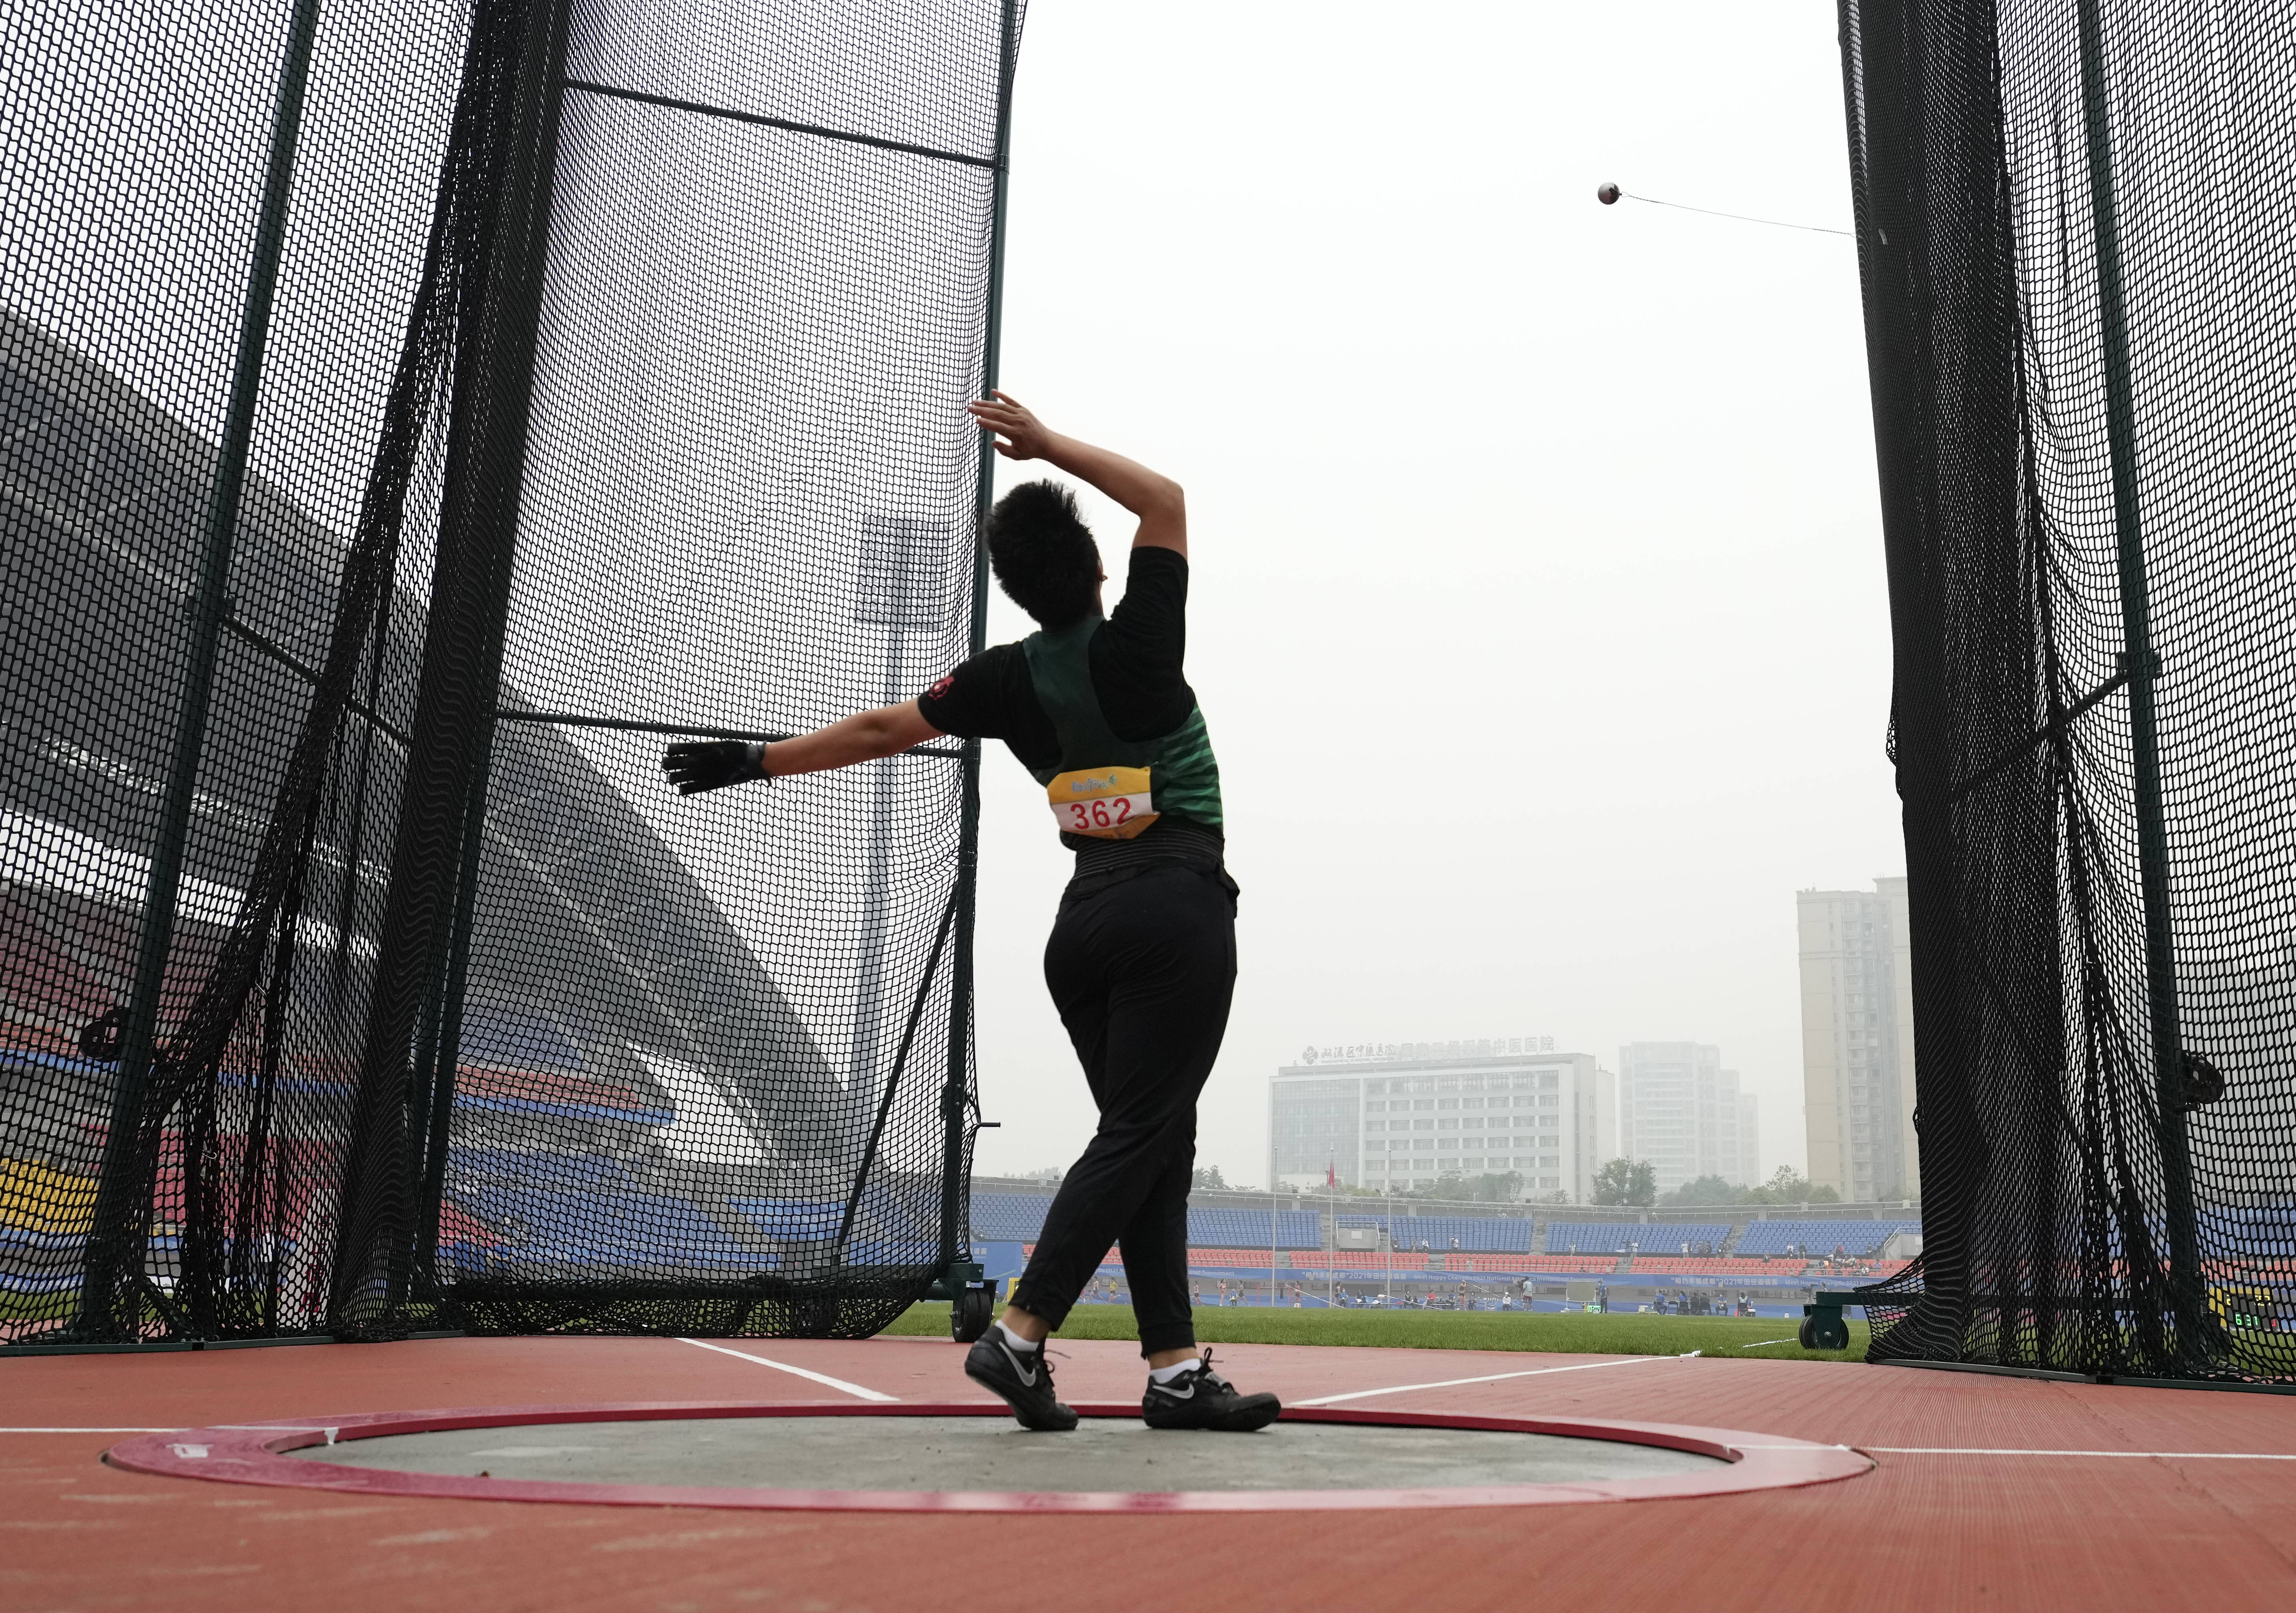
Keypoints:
pixel 696 765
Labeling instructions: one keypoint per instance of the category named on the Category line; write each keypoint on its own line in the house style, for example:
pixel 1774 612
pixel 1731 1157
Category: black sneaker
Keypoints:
pixel 1201 1399
pixel 1023 1378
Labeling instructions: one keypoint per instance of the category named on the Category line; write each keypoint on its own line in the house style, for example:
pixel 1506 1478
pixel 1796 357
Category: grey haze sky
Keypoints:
pixel 1537 609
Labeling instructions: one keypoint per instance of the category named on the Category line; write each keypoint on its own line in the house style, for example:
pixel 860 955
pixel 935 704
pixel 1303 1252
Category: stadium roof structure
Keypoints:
pixel 606 986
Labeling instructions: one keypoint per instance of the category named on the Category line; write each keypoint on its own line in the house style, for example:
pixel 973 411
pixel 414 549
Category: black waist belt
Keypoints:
pixel 1100 863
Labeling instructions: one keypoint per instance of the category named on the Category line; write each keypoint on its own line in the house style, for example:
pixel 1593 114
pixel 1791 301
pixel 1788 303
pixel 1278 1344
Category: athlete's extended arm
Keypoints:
pixel 1156 500
pixel 700 764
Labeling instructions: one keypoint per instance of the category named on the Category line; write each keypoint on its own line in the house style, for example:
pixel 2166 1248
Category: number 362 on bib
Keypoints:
pixel 1106 802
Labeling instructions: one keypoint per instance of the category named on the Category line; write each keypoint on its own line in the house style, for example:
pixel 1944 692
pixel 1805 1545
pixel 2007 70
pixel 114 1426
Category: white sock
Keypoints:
pixel 1166 1374
pixel 1015 1340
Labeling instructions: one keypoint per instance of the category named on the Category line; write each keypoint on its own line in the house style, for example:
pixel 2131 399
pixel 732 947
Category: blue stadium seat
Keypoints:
pixel 1667 1238
pixel 914 1254
pixel 1009 1217
pixel 1254 1229
pixel 1855 1239
pixel 568 1173
pixel 793 1218
pixel 601 1229
pixel 1591 1237
pixel 1476 1234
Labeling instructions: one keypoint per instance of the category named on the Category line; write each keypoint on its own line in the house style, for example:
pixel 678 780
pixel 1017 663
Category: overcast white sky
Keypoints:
pixel 1538 609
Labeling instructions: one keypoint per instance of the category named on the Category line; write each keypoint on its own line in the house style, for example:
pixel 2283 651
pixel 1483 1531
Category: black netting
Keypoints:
pixel 2081 289
pixel 557 380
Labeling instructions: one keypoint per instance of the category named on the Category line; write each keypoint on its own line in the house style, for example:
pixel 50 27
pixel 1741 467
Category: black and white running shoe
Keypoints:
pixel 1201 1399
pixel 1023 1378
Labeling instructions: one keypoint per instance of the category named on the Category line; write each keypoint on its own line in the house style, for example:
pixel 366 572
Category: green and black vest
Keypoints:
pixel 1102 787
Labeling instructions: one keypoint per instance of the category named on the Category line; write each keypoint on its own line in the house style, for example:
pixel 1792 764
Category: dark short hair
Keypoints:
pixel 1043 553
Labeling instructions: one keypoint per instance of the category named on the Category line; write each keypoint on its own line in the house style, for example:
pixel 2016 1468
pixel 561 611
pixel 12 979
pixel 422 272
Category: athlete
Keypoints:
pixel 1141 958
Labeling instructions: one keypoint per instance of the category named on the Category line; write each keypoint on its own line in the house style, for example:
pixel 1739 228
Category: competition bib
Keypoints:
pixel 1106 802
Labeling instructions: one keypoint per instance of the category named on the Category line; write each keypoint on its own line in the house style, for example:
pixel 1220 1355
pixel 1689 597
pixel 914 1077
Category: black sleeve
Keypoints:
pixel 990 698
pixel 1137 659
pixel 975 702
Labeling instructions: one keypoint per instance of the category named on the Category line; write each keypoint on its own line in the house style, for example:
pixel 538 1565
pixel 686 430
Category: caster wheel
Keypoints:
pixel 970 1314
pixel 1801 1333
pixel 1829 1332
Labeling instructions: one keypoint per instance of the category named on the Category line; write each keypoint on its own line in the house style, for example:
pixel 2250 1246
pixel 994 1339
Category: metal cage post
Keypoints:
pixel 2141 665
pixel 956 1096
pixel 117 1230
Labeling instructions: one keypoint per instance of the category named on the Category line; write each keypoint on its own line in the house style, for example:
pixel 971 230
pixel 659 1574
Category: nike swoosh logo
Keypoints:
pixel 1187 1394
pixel 1027 1374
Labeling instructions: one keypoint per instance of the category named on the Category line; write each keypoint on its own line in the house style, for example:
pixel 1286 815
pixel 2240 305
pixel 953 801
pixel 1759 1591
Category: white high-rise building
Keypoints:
pixel 1681 1112
pixel 1858 1041
pixel 1401 1114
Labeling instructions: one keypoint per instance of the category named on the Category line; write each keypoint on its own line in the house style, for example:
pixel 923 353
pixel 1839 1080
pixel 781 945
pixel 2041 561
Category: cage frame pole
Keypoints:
pixel 437 1066
pixel 452 733
pixel 2140 664
pixel 109 1246
pixel 956 1095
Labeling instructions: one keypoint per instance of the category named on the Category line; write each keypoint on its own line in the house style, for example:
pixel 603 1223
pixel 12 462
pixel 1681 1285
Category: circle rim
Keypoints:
pixel 257 1454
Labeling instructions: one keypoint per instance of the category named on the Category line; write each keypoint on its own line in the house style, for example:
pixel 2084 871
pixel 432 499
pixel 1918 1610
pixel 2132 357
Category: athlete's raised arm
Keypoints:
pixel 1156 500
pixel 696 765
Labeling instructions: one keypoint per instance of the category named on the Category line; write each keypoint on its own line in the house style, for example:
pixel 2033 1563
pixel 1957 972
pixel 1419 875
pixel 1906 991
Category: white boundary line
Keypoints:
pixel 170 1430
pixel 783 1366
pixel 1927 1450
pixel 1452 1383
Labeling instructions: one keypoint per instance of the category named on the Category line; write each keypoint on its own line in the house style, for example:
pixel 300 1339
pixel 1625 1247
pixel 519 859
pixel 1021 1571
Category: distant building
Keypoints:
pixel 1679 1109
pixel 1401 1114
pixel 1858 1041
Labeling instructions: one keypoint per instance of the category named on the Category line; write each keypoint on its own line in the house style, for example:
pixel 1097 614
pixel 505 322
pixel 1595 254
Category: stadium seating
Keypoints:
pixel 2259 1233
pixel 1483 1234
pixel 1009 1217
pixel 1857 1239
pixel 600 1229
pixel 1228 1259
pixel 1656 1238
pixel 37 1199
pixel 1251 1228
pixel 1675 1266
pixel 793 1219
pixel 565 1173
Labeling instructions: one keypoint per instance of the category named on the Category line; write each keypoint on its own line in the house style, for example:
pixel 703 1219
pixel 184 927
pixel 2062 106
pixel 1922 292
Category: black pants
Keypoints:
pixel 1142 972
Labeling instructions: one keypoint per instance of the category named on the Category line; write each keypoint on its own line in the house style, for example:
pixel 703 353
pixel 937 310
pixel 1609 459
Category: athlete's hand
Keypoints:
pixel 694 765
pixel 1023 435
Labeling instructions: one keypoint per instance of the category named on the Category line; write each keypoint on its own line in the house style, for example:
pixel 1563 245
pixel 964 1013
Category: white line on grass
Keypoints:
pixel 783 1366
pixel 1926 1450
pixel 1452 1383
pixel 1759 1343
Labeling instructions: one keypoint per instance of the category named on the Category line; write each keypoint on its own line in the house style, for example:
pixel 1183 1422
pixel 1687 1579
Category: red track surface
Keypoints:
pixel 2187 1529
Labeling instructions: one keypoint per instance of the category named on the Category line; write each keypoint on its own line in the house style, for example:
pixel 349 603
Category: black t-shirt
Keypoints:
pixel 1135 662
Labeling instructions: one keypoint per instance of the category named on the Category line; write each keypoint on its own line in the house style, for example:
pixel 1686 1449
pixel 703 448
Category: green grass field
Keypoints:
pixel 1621 1334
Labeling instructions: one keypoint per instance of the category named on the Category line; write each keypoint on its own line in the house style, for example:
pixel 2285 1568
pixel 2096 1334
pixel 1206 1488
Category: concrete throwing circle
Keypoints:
pixel 972 1458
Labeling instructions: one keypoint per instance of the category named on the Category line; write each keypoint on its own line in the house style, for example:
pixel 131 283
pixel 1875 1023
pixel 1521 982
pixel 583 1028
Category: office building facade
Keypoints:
pixel 1858 1041
pixel 1682 1112
pixel 1394 1116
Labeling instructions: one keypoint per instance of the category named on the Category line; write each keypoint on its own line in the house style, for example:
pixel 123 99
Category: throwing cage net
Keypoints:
pixel 2077 261
pixel 411 419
